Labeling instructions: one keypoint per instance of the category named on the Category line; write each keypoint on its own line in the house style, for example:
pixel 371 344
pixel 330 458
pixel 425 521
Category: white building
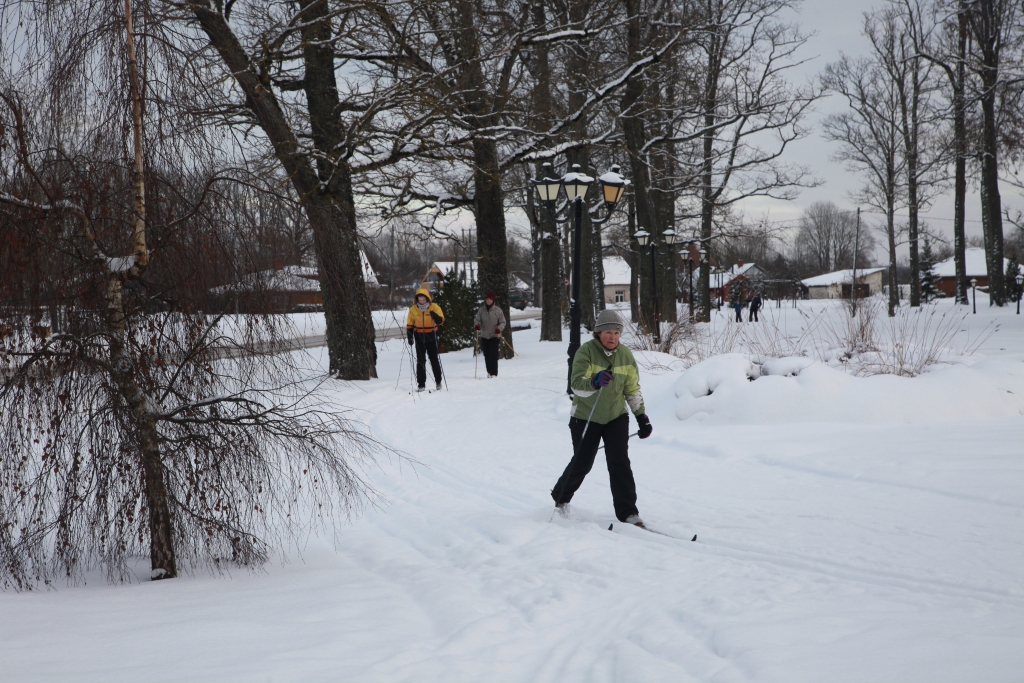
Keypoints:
pixel 837 285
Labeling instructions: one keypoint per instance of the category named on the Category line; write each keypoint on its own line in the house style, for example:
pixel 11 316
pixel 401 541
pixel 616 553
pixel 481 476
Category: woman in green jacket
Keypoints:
pixel 606 387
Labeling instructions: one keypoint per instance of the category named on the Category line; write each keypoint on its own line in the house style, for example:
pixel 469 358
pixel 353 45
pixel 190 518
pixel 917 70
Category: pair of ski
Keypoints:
pixel 653 531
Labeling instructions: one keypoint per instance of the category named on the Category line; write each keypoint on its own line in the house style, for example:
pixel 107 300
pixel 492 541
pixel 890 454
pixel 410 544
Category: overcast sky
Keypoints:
pixel 836 26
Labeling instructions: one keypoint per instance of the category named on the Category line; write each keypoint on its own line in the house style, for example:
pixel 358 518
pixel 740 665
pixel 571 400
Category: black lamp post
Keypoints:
pixel 643 238
pixel 974 294
pixel 576 183
pixel 1020 281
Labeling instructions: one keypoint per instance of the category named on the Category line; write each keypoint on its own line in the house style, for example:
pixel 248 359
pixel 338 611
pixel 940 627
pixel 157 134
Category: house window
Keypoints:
pixel 620 296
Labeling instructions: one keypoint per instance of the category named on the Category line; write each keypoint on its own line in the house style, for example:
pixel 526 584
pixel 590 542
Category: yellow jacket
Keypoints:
pixel 421 321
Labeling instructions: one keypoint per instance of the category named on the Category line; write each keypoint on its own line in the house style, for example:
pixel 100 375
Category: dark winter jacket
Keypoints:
pixel 490 319
pixel 755 304
pixel 592 358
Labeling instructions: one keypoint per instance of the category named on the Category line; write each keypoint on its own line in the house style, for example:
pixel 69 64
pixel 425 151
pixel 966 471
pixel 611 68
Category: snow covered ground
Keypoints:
pixel 860 529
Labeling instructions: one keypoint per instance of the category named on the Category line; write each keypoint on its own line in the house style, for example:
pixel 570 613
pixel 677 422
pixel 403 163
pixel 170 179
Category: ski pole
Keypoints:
pixel 476 354
pixel 437 351
pixel 627 439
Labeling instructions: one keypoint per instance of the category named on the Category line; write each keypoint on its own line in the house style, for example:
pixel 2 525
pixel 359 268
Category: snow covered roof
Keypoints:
pixel 974 260
pixel 616 271
pixel 516 282
pixel 838 277
pixel 747 270
pixel 290 279
pixel 445 267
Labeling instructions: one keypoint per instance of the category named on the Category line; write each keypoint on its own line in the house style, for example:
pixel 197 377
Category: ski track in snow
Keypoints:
pixel 825 552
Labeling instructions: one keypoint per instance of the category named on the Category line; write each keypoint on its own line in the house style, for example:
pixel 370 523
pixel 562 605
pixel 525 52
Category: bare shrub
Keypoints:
pixel 865 344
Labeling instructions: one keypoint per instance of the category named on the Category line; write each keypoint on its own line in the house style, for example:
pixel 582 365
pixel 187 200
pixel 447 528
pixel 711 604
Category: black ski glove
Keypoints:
pixel 645 426
pixel 437 319
pixel 410 336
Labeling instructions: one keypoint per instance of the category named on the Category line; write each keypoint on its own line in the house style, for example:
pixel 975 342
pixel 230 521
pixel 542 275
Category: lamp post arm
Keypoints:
pixel 602 221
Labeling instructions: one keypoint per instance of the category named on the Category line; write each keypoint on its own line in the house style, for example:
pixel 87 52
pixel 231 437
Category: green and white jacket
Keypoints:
pixel 592 358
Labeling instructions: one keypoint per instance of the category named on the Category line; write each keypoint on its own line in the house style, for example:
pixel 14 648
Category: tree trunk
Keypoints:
pixel 890 227
pixel 550 252
pixel 578 67
pixel 490 225
pixel 987 21
pixel 635 134
pixel 991 203
pixel 910 137
pixel 488 199
pixel 707 192
pixel 330 205
pixel 163 563
pixel 960 143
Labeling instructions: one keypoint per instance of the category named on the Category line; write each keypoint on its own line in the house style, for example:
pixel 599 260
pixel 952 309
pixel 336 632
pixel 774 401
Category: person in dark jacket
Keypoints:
pixel 755 306
pixel 421 326
pixel 606 388
pixel 490 323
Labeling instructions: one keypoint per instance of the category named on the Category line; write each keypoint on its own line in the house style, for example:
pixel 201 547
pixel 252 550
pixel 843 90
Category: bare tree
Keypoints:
pixel 870 140
pixel 949 51
pixel 826 237
pixel 297 52
pixel 748 113
pixel 995 26
pixel 129 427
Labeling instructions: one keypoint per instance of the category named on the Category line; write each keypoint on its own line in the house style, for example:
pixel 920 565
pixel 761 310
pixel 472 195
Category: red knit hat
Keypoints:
pixel 492 296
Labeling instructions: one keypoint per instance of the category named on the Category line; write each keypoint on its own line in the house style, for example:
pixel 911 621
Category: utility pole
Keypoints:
pixel 853 288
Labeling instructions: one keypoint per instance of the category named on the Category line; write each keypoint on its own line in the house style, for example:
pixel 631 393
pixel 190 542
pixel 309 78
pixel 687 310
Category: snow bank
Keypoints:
pixel 723 390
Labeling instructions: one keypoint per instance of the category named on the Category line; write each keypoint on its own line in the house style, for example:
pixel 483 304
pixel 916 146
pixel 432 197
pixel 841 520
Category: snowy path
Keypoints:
pixel 826 552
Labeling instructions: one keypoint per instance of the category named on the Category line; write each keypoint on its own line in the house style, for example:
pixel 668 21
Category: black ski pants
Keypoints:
pixel 426 344
pixel 490 348
pixel 615 435
pixel 753 315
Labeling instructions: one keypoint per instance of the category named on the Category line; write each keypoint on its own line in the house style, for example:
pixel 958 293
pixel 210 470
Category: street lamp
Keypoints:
pixel 1020 281
pixel 974 294
pixel 643 238
pixel 689 262
pixel 576 184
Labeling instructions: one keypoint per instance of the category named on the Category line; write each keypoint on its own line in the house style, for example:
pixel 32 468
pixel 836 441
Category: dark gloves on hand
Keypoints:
pixel 497 331
pixel 601 379
pixel 410 336
pixel 477 328
pixel 645 426
pixel 437 319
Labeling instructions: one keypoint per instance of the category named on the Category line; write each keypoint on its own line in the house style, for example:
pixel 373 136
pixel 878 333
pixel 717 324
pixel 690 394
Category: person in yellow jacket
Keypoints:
pixel 421 327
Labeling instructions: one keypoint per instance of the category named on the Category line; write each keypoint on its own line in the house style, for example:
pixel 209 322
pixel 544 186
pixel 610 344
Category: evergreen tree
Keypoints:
pixel 928 276
pixel 459 302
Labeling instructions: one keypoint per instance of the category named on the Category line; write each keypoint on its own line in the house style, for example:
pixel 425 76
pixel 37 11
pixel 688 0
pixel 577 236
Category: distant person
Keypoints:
pixel 606 388
pixel 737 305
pixel 421 325
pixel 755 306
pixel 490 323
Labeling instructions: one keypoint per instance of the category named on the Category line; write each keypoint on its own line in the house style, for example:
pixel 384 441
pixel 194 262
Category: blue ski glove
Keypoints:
pixel 645 426
pixel 601 379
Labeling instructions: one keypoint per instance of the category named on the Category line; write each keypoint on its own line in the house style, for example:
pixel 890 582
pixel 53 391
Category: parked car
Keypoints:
pixel 517 300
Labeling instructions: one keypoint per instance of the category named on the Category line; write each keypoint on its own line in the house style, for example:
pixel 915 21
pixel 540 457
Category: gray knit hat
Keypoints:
pixel 608 320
